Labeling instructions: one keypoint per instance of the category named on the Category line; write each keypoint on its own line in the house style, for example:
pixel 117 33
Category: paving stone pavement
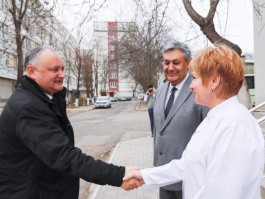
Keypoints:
pixel 136 152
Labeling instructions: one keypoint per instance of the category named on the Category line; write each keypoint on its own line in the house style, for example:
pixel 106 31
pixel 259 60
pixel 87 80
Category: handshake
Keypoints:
pixel 132 178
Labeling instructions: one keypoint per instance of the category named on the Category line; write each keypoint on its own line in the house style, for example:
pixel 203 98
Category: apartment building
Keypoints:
pixel 47 32
pixel 112 79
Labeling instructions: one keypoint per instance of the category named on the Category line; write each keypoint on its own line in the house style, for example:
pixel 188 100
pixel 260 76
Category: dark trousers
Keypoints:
pixel 151 117
pixel 166 194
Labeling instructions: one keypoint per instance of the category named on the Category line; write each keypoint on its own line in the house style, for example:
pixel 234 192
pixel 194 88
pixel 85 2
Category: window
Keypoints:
pixel 1 57
pixel 112 38
pixel 112 47
pixel 112 57
pixel 112 66
pixel 13 61
pixel 4 31
pixel 6 59
pixel 250 81
pixel 11 35
pixel 29 44
pixel 251 86
pixel 9 60
pixel 113 85
pixel 113 75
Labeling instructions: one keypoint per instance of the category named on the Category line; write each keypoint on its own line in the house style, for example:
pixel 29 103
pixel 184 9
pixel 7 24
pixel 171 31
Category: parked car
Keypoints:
pixel 122 99
pixel 103 102
pixel 114 99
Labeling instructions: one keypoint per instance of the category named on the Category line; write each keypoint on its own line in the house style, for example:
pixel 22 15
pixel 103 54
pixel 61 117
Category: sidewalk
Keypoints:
pixel 136 152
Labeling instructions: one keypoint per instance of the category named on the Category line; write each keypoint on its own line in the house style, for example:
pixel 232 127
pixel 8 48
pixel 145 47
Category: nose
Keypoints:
pixel 191 85
pixel 171 66
pixel 61 73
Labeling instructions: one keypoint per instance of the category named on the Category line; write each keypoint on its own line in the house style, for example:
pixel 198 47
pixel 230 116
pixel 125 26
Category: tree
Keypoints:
pixel 104 77
pixel 95 73
pixel 69 59
pixel 87 71
pixel 140 48
pixel 25 14
pixel 100 69
pixel 80 27
pixel 207 26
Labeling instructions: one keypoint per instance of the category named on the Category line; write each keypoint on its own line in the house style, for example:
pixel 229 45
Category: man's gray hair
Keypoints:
pixel 173 44
pixel 32 56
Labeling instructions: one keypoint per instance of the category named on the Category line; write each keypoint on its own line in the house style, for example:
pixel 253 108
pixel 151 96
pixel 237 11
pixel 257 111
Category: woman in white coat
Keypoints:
pixel 225 157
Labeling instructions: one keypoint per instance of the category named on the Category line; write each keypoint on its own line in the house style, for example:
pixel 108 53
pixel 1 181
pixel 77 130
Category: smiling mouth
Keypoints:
pixel 58 82
pixel 172 72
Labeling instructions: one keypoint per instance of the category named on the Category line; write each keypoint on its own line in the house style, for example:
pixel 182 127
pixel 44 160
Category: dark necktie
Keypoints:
pixel 170 101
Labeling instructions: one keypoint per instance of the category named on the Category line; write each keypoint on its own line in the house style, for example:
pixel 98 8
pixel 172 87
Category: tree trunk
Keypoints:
pixel 207 27
pixel 20 58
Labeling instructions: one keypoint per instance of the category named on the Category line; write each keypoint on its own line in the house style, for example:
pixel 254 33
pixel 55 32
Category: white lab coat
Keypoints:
pixel 223 160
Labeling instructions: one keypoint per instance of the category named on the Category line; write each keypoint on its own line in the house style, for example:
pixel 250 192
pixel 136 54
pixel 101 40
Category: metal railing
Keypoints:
pixel 257 107
pixel 262 119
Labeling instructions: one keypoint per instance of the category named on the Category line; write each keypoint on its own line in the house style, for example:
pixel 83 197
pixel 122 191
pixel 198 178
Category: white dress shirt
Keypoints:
pixel 178 87
pixel 223 160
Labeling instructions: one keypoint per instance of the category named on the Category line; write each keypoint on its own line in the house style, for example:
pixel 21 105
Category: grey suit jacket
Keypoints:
pixel 173 133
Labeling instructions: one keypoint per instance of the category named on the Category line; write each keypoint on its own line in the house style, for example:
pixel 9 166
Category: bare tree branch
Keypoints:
pixel 207 24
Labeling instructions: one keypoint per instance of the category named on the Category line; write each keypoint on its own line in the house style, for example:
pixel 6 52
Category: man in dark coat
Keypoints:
pixel 38 159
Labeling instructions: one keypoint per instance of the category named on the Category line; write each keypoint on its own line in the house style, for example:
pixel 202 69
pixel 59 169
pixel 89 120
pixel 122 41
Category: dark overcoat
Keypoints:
pixel 38 159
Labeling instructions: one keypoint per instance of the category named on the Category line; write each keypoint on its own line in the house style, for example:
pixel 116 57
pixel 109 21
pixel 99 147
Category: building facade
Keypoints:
pixel 112 79
pixel 48 32
pixel 259 58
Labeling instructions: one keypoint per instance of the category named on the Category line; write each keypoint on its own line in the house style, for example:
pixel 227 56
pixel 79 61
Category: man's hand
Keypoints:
pixel 129 182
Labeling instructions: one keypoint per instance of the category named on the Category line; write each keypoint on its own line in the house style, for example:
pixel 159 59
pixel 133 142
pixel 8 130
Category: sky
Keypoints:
pixel 234 20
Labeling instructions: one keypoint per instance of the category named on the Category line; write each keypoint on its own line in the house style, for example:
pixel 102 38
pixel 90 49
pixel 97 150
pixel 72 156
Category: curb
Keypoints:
pixel 137 108
pixel 81 108
pixel 94 195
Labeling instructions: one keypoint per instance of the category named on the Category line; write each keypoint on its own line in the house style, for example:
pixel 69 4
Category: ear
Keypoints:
pixel 31 70
pixel 188 63
pixel 215 81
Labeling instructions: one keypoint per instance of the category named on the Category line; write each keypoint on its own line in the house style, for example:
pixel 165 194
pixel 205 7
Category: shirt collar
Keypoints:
pixel 48 95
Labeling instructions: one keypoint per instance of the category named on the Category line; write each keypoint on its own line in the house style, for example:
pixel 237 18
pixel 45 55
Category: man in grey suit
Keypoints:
pixel 174 125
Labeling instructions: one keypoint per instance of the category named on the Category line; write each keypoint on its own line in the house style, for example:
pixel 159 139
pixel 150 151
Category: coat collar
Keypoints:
pixel 30 85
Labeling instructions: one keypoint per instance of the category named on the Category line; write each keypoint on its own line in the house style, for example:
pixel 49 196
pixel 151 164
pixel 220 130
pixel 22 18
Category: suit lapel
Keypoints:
pixel 162 99
pixel 185 92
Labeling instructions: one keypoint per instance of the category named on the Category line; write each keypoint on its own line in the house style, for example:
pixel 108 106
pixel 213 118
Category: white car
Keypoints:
pixel 103 102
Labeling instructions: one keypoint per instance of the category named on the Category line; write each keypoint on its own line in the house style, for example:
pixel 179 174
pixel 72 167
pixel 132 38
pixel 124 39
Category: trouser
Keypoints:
pixel 166 194
pixel 151 117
